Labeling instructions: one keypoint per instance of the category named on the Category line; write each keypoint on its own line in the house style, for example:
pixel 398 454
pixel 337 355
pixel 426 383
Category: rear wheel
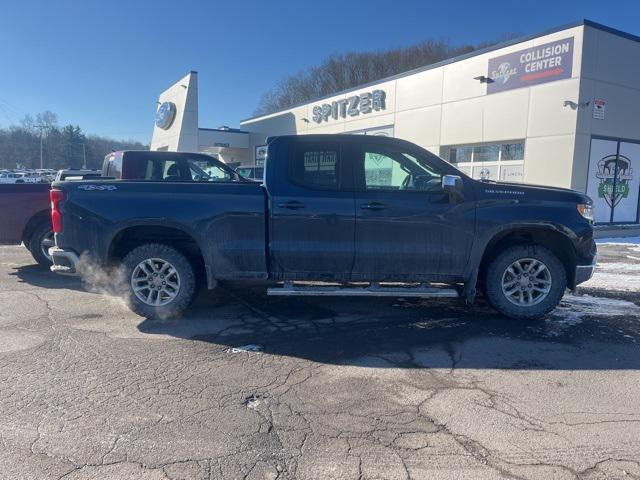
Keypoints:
pixel 525 282
pixel 39 243
pixel 161 281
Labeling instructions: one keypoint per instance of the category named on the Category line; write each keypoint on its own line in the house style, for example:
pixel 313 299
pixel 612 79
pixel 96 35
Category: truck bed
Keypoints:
pixel 226 220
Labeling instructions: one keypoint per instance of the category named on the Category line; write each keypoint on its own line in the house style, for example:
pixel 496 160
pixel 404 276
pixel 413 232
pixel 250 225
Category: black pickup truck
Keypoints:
pixel 336 215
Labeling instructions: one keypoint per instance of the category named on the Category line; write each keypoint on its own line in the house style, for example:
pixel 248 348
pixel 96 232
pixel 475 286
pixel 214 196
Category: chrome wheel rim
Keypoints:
pixel 46 243
pixel 155 282
pixel 526 282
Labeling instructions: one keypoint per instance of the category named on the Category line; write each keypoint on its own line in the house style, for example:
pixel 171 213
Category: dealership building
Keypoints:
pixel 559 108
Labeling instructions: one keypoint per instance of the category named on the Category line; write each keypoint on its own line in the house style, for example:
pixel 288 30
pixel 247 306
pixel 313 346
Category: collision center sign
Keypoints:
pixel 541 64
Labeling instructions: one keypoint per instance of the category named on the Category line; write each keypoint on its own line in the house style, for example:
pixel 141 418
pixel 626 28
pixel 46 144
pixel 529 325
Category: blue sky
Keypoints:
pixel 102 64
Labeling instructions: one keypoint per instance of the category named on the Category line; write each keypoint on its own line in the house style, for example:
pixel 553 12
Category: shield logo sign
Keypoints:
pixel 614 174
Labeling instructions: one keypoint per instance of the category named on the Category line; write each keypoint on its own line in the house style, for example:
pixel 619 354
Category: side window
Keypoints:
pixel 396 170
pixel 138 168
pixel 114 166
pixel 379 172
pixel 315 166
pixel 156 170
pixel 171 171
pixel 207 172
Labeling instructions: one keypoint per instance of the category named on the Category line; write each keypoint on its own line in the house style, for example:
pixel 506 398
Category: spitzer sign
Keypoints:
pixel 532 66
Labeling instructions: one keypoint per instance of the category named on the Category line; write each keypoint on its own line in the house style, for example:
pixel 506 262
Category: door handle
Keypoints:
pixel 373 206
pixel 292 205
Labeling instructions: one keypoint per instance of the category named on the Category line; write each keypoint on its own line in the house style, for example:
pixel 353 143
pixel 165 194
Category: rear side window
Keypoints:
pixel 315 166
pixel 113 165
pixel 141 168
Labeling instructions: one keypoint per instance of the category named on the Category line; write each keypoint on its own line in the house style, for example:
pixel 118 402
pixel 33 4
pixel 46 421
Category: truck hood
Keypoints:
pixel 530 192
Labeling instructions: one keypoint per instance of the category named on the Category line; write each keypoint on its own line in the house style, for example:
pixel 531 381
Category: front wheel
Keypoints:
pixel 525 282
pixel 161 281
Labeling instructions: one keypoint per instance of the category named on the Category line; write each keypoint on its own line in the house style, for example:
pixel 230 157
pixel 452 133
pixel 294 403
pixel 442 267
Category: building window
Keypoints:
pixel 486 153
pixel 512 151
pixel 315 167
pixel 488 161
pixel 459 154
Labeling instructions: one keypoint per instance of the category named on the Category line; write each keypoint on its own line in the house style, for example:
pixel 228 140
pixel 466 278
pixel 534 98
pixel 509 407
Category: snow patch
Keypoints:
pixel 618 241
pixel 252 401
pixel 586 305
pixel 573 309
pixel 251 348
pixel 620 267
pixel 613 281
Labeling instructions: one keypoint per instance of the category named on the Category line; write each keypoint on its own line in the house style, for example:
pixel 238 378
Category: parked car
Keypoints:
pixel 26 218
pixel 10 177
pixel 47 174
pixel 30 177
pixel 338 208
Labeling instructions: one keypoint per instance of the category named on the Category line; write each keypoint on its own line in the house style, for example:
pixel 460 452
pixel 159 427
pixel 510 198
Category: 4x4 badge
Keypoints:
pixel 97 187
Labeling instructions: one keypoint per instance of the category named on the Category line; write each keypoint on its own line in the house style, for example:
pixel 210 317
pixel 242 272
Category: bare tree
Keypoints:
pixel 343 71
pixel 47 118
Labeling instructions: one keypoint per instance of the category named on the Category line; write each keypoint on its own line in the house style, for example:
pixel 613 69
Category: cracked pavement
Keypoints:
pixel 256 387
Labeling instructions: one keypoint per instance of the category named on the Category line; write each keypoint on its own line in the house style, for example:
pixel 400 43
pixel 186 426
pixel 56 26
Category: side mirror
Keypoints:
pixel 452 184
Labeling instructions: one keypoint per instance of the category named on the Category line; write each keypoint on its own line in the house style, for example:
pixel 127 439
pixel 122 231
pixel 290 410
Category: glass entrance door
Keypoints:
pixel 614 181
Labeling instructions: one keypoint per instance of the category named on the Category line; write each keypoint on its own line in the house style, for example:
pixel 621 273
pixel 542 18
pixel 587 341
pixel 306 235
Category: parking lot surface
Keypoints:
pixel 249 386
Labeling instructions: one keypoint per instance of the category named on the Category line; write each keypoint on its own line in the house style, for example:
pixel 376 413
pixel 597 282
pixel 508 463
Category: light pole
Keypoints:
pixel 41 128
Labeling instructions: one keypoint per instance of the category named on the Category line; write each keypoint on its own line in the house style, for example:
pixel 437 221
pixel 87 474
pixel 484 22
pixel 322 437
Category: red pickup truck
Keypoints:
pixel 25 217
pixel 25 208
pixel 25 214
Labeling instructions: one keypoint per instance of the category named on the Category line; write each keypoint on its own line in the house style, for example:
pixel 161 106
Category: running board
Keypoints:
pixel 373 290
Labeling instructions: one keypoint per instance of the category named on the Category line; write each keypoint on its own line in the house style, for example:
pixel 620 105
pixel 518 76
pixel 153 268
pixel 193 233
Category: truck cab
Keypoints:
pixel 366 208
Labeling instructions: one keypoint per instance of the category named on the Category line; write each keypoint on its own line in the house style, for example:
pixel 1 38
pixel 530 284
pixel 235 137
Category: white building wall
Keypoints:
pixel 612 73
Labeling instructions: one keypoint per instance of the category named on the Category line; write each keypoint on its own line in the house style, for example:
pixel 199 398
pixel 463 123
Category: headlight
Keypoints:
pixel 586 210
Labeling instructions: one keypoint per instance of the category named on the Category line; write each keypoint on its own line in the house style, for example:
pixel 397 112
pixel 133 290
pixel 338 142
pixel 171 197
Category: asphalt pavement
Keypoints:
pixel 256 387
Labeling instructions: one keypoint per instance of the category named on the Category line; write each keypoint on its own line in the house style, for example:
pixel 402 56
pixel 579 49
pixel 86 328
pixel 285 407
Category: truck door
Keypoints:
pixel 407 227
pixel 312 210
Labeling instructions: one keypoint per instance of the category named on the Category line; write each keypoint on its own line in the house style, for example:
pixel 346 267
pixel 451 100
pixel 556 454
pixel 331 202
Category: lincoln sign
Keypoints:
pixel 544 63
pixel 353 106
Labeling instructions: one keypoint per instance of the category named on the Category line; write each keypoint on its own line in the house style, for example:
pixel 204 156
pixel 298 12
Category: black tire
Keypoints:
pixel 40 240
pixel 497 269
pixel 182 266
